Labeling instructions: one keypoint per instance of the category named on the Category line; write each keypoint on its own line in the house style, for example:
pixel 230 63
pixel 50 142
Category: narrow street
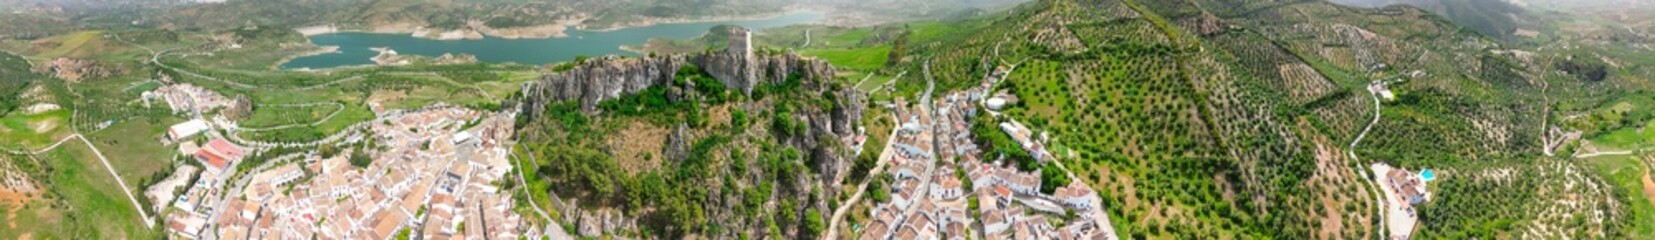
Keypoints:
pixel 839 214
pixel 553 228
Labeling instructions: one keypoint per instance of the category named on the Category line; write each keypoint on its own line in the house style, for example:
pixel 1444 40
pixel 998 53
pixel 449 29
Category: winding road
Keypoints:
pixel 101 158
pixel 1378 198
pixel 105 160
pixel 807 39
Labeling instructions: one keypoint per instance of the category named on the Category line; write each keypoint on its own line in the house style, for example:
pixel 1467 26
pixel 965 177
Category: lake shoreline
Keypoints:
pixel 528 32
pixel 319 51
pixel 532 51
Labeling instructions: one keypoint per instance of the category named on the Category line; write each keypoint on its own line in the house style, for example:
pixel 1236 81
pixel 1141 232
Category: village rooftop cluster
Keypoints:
pixel 431 171
pixel 929 201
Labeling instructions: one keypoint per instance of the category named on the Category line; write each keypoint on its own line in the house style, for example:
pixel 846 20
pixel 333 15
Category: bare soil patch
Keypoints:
pixel 43 125
pixel 17 199
pixel 638 147
pixel 1649 187
pixel 386 96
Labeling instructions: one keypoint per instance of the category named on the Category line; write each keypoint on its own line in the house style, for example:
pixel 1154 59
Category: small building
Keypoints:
pixel 185 225
pixel 912 152
pixel 1077 195
pixel 982 176
pixel 219 154
pixel 1383 91
pixel 906 191
pixel 1408 188
pixel 280 175
pixel 996 104
pixel 462 137
pixel 186 129
pixel 1019 182
pixel 909 170
pixel 946 186
pixel 1025 137
pixel 912 128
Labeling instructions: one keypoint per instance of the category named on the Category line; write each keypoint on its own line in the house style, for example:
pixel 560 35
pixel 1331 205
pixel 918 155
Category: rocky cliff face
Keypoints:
pixel 611 77
pixel 599 79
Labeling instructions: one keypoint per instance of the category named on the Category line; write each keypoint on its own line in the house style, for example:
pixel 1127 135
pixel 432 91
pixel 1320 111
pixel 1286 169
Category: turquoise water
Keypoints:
pixel 353 47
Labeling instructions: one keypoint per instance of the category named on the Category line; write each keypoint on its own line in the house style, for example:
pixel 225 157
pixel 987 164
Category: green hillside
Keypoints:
pixel 1221 118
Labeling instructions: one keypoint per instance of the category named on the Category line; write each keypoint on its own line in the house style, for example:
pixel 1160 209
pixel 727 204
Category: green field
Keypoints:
pixel 874 82
pixel 1627 138
pixel 405 87
pixel 83 202
pixel 134 148
pixel 280 115
pixel 1625 174
pixel 70 43
pixel 351 115
pixel 21 130
pixel 860 59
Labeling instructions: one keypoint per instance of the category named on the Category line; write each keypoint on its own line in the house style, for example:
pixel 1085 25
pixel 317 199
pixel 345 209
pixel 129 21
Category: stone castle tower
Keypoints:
pixel 741 46
pixel 741 41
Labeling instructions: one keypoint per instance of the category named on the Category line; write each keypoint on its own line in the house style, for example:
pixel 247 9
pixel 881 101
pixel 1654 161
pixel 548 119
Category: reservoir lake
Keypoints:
pixel 354 46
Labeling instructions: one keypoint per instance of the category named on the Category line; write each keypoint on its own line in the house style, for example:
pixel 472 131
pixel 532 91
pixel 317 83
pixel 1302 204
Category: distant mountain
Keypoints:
pixel 1495 18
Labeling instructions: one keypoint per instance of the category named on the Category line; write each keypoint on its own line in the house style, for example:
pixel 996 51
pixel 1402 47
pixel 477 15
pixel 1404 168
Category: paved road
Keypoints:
pixel 1101 218
pixel 839 214
pixel 1351 151
pixel 212 217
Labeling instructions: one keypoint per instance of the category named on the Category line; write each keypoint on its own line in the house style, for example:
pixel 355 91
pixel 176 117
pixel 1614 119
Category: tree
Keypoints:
pixel 877 191
pixel 899 48
pixel 360 158
pixel 1052 177
pixel 813 222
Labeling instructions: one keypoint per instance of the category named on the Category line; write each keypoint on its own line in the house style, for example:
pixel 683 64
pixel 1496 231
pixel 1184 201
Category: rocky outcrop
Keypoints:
pixel 599 223
pixel 610 77
pixel 741 72
pixel 599 79
pixel 824 110
pixel 606 78
pixel 678 144
pixel 829 128
pixel 74 70
pixel 239 108
pixel 591 222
